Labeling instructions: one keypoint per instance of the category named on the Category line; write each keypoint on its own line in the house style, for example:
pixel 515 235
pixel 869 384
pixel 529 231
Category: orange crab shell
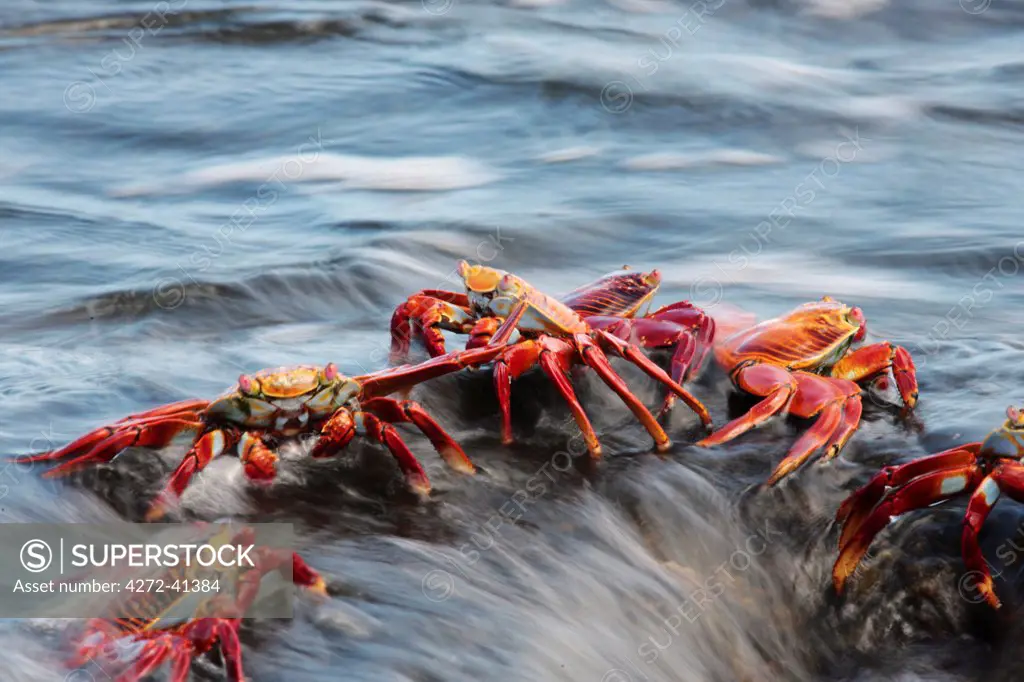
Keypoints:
pixel 479 277
pixel 287 383
pixel 806 338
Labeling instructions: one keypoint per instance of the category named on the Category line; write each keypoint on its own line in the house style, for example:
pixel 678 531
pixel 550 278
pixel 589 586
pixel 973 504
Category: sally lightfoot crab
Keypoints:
pixel 983 470
pixel 618 303
pixel 146 628
pixel 272 405
pixel 804 363
pixel 498 304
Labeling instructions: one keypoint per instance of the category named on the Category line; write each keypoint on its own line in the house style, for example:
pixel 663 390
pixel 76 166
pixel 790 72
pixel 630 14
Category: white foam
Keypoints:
pixel 398 174
pixel 843 9
pixel 661 161
pixel 793 273
pixel 568 154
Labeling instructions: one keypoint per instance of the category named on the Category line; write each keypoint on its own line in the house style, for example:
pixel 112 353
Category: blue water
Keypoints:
pixel 190 190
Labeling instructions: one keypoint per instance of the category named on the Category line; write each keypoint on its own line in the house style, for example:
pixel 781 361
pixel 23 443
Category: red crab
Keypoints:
pixel 498 304
pixel 804 363
pixel 276 404
pixel 983 470
pixel 144 633
pixel 618 303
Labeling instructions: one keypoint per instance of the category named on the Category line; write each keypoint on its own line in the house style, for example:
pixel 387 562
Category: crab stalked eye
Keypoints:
pixel 1016 416
pixel 246 385
pixel 330 373
pixel 857 318
pixel 507 284
pixel 652 278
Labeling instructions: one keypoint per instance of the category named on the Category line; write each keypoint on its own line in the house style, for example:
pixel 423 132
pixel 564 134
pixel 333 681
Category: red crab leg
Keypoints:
pixel 191 408
pixel 202 631
pixel 921 492
pixel 702 325
pixel 193 405
pixel 511 364
pixel 814 396
pixel 304 576
pixel 502 379
pixel 211 444
pixel 777 386
pixel 555 358
pixel 501 374
pixel 595 358
pixel 655 334
pixel 868 361
pixel 859 505
pixel 227 633
pixel 338 431
pixel 395 379
pixel 811 440
pixel 399 411
pixel 850 421
pixel 555 361
pixel 265 560
pixel 630 352
pixel 156 433
pixel 181 663
pixel 981 503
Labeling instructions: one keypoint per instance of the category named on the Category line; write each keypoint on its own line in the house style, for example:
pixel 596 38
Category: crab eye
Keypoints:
pixel 246 385
pixel 330 373
pixel 856 317
pixel 1016 416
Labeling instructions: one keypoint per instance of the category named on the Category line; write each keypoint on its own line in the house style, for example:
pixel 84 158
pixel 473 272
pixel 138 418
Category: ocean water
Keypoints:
pixel 191 190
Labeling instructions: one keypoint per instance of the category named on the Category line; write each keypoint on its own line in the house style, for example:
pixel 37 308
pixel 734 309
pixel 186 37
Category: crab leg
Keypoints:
pixel 400 411
pixel 181 662
pixel 630 352
pixel 211 444
pixel 847 426
pixel 157 432
pixel 811 440
pixel 981 503
pixel 516 359
pixel 652 333
pixel 555 361
pixel 397 378
pixel 868 361
pixel 89 441
pixel 775 384
pixel 922 491
pixel 702 327
pixel 338 431
pixel 595 358
pixel 815 396
pixel 859 505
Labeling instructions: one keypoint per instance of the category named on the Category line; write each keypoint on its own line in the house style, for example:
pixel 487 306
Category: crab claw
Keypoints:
pixel 906 376
pixel 917 484
pixel 861 503
pixel 258 461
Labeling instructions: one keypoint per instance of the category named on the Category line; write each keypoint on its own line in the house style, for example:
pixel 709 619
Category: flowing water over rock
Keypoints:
pixel 190 190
